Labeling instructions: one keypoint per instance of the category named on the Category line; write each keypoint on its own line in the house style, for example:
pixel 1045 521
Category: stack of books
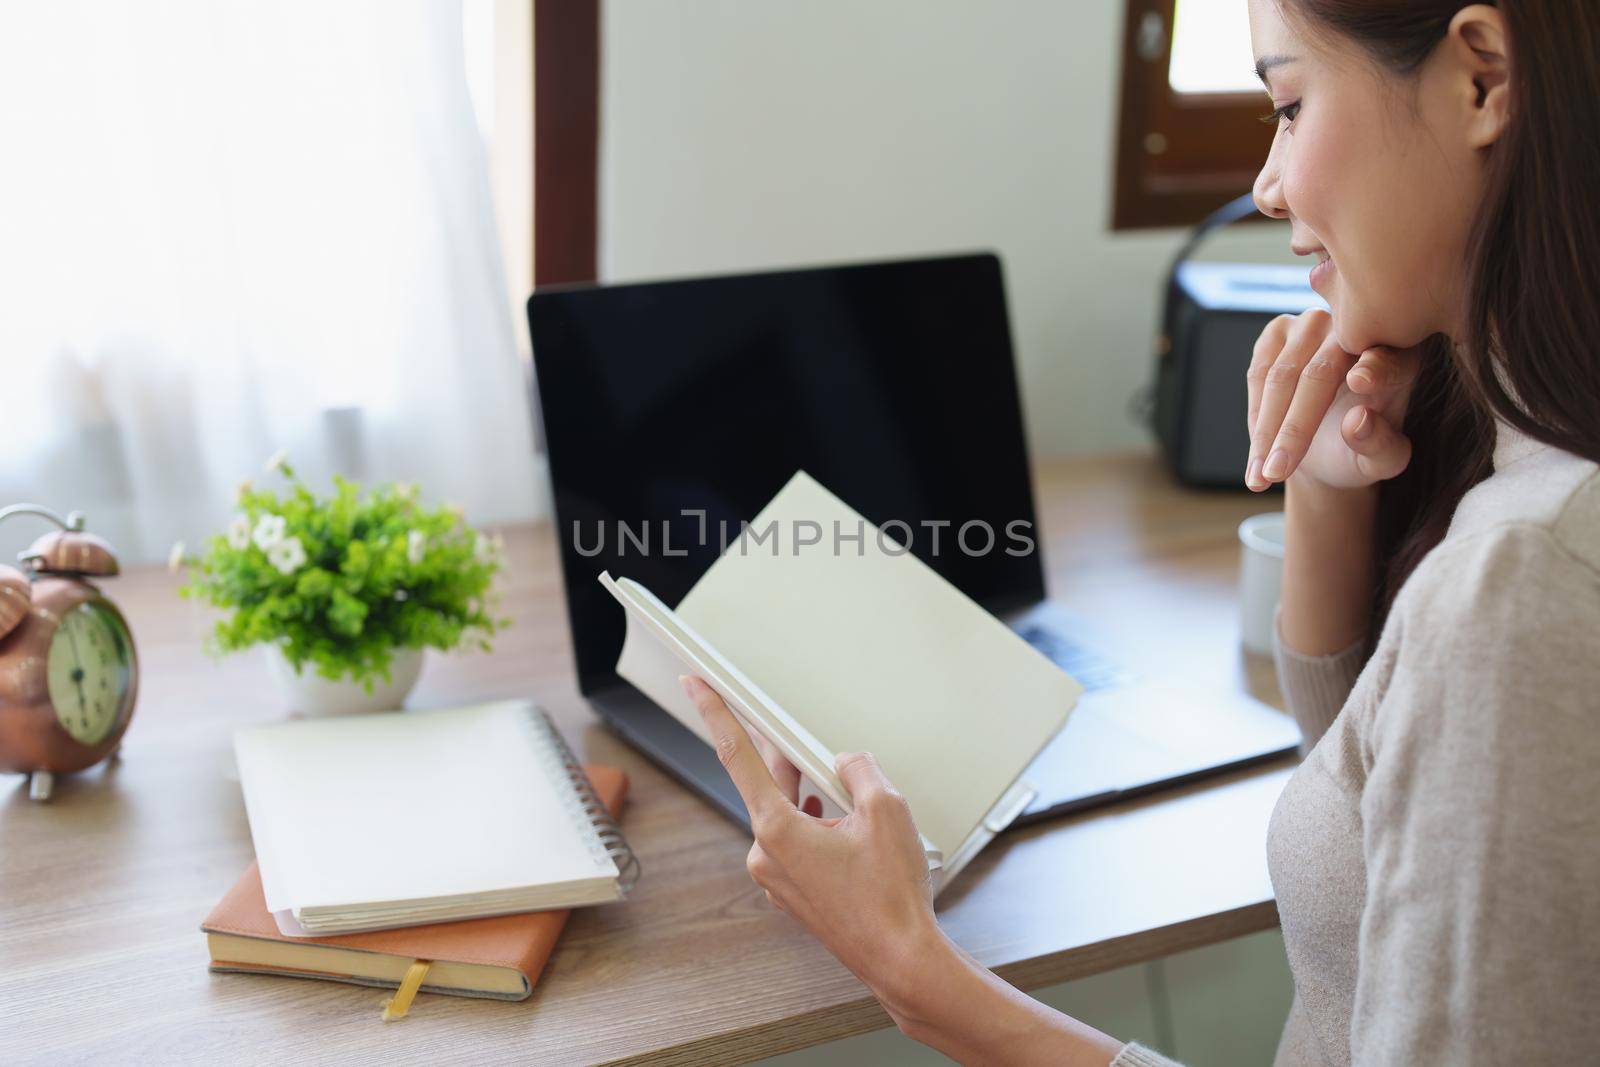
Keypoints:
pixel 437 851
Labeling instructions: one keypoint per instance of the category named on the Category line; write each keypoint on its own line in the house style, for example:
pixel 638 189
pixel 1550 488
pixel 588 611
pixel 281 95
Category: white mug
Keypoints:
pixel 1260 578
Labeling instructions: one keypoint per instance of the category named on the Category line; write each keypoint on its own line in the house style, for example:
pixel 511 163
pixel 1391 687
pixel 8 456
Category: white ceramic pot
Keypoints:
pixel 308 693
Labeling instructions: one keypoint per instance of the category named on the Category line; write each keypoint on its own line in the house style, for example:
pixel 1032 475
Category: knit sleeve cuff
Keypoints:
pixel 1315 687
pixel 1136 1055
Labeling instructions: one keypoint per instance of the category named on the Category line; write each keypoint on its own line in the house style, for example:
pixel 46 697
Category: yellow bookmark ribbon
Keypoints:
pixel 397 1006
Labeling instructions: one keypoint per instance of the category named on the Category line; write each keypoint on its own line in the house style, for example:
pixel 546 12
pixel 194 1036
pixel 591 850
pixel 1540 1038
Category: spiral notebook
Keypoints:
pixel 372 822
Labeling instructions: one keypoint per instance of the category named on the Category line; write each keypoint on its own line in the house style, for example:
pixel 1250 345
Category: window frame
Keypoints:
pixel 566 141
pixel 1179 156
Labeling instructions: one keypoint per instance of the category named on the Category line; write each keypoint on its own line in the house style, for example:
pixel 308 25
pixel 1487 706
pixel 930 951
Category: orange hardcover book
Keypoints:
pixel 498 957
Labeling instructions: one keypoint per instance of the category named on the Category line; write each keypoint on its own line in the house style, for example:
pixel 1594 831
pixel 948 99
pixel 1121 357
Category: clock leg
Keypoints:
pixel 40 784
pixel 114 755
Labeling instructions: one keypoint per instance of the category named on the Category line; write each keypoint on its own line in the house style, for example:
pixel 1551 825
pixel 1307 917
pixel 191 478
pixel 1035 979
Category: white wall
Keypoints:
pixel 742 134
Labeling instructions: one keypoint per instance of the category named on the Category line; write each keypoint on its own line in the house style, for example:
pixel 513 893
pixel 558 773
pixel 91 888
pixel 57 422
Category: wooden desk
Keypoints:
pixel 103 889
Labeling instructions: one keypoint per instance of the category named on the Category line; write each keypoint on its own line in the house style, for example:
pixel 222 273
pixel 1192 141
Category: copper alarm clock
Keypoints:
pixel 68 670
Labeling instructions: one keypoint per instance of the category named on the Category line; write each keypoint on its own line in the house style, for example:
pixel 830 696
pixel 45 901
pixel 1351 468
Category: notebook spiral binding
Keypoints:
pixel 586 807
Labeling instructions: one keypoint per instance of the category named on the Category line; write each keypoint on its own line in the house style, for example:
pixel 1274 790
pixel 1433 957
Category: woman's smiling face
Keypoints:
pixel 1379 174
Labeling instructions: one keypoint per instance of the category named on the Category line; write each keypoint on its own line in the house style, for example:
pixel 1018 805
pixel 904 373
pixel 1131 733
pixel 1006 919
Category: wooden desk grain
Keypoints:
pixel 103 889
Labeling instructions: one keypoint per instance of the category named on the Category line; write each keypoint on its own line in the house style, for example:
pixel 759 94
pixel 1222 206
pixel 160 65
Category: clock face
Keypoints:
pixel 90 672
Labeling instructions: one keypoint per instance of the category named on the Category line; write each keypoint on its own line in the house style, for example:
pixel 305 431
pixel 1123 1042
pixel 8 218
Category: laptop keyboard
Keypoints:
pixel 1092 670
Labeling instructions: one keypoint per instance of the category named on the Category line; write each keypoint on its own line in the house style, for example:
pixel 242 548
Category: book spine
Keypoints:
pixel 584 805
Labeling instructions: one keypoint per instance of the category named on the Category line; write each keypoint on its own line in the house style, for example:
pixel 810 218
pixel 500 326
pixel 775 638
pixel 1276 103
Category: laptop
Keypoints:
pixel 674 410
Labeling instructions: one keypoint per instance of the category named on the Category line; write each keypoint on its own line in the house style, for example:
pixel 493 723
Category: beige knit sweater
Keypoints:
pixel 1436 857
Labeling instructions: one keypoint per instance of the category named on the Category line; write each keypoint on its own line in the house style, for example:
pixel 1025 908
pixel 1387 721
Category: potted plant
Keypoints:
pixel 345 591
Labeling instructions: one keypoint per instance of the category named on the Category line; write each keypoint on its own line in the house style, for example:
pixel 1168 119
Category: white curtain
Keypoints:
pixel 233 226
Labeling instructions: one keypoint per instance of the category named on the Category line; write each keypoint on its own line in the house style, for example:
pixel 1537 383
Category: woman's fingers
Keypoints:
pixel 762 799
pixel 868 786
pixel 1274 378
pixel 783 772
pixel 1381 451
pixel 1296 373
pixel 1268 345
pixel 1382 370
pixel 1314 392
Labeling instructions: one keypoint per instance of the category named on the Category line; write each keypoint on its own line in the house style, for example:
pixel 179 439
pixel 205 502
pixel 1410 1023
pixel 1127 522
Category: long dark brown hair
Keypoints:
pixel 1530 353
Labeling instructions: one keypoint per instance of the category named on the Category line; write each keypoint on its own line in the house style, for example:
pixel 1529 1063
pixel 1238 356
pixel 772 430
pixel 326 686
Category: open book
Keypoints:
pixel 825 635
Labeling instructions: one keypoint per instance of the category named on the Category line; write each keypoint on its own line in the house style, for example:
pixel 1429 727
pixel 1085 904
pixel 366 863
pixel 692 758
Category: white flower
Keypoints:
pixel 269 531
pixel 405 490
pixel 245 486
pixel 239 533
pixel 489 549
pixel 175 558
pixel 276 461
pixel 287 555
pixel 416 546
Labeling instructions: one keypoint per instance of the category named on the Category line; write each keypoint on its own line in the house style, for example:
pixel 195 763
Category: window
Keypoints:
pixel 1187 138
pixel 248 227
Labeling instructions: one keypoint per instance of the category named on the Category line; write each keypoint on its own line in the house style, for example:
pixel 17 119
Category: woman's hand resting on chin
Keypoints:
pixel 860 883
pixel 1327 424
pixel 1317 411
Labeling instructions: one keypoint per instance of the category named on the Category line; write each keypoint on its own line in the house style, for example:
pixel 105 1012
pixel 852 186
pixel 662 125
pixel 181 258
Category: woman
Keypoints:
pixel 1436 858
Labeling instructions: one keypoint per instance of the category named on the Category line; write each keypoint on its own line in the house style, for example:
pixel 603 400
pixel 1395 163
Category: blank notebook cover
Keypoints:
pixel 499 957
pixel 856 644
pixel 369 822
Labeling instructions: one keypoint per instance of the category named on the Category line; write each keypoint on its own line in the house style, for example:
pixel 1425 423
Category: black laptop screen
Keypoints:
pixel 673 411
